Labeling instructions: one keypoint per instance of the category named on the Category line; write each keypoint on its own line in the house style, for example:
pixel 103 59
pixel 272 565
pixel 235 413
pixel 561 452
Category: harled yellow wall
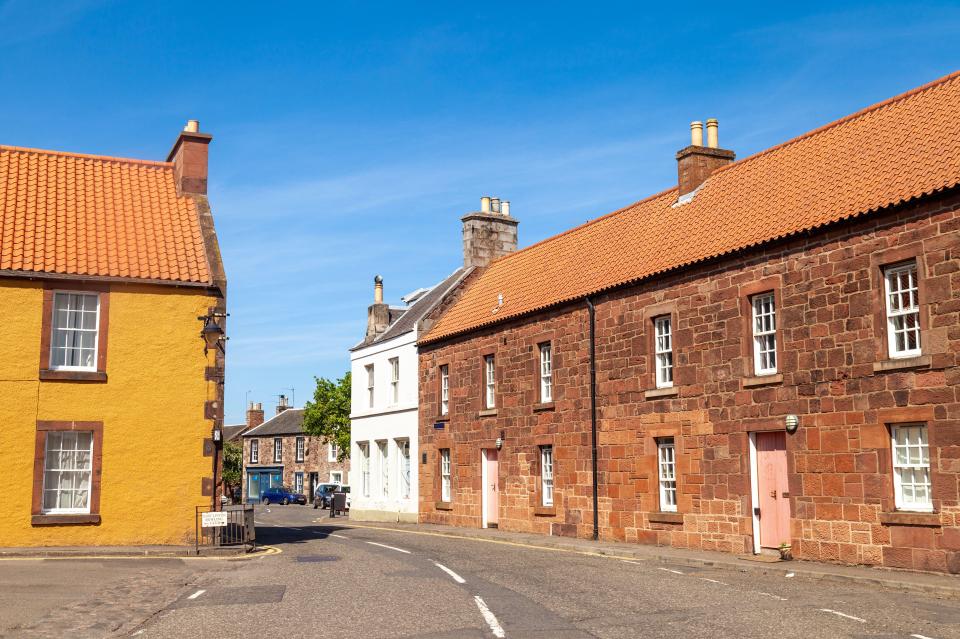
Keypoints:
pixel 151 407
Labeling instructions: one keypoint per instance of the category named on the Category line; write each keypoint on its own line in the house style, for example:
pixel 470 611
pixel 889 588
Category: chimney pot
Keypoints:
pixel 485 204
pixel 495 205
pixel 696 133
pixel 712 131
pixel 377 290
pixel 193 126
pixel 505 208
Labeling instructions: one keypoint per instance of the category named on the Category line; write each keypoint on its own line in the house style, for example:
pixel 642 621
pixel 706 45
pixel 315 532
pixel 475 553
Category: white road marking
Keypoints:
pixel 777 597
pixel 373 543
pixel 630 561
pixel 843 614
pixel 297 529
pixel 457 578
pixel 196 594
pixel 714 581
pixel 921 637
pixel 676 572
pixel 788 575
pixel 338 536
pixel 489 617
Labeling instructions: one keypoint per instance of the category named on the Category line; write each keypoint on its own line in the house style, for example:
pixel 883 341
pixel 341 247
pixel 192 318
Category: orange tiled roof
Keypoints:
pixel 87 215
pixel 895 151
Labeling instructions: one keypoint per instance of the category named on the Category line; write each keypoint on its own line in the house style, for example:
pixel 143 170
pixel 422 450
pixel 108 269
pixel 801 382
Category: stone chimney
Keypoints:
pixel 696 162
pixel 189 157
pixel 282 404
pixel 378 314
pixel 488 233
pixel 254 415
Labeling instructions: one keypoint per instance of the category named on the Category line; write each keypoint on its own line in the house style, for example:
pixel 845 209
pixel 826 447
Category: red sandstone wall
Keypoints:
pixel 830 343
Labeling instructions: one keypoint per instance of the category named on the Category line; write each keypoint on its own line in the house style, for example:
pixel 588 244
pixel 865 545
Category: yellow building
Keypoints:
pixel 111 397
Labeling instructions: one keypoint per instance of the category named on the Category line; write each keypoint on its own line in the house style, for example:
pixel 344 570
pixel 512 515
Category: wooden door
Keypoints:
pixel 774 493
pixel 492 489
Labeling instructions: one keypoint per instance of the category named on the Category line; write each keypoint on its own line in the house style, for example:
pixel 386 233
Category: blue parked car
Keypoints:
pixel 283 496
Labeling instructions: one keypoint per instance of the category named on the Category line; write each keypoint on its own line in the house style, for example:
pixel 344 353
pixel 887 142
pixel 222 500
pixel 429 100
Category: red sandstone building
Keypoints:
pixel 765 354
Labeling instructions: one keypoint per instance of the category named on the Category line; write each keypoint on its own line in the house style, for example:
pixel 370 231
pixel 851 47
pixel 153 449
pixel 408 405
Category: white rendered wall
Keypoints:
pixel 386 421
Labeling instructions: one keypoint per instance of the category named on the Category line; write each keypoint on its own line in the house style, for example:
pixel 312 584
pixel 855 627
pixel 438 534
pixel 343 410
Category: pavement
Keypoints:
pixel 341 579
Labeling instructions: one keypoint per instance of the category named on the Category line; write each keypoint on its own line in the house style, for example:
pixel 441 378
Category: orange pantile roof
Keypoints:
pixel 892 152
pixel 87 215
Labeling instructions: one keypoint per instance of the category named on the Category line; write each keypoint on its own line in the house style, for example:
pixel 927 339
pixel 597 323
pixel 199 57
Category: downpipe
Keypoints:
pixel 593 417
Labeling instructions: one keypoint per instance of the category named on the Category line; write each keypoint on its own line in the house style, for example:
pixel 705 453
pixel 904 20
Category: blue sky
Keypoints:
pixel 349 138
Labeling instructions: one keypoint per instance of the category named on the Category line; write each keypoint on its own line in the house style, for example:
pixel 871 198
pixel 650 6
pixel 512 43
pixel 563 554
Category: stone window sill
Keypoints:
pixel 922 361
pixel 55 520
pixel 545 511
pixel 442 418
pixel 73 376
pixel 906 518
pixel 665 518
pixel 659 393
pixel 443 505
pixel 762 380
pixel 487 412
pixel 544 406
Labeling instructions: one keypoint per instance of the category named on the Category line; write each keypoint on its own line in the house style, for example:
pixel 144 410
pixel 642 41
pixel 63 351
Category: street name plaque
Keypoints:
pixel 213 520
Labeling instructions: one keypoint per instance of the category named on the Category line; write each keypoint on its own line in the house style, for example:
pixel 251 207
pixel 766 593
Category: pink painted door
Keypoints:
pixel 774 492
pixel 493 488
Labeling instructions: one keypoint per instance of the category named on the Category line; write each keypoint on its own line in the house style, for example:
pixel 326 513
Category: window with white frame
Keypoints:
pixel 298 482
pixel 546 475
pixel 369 368
pixel 395 380
pixel 911 467
pixel 300 448
pixel 384 463
pixel 903 310
pixel 666 461
pixel 490 381
pixel 67 472
pixel 277 449
pixel 764 334
pixel 254 451
pixel 546 373
pixel 336 477
pixel 663 347
pixel 73 343
pixel 332 452
pixel 365 468
pixel 444 474
pixel 403 467
pixel 444 389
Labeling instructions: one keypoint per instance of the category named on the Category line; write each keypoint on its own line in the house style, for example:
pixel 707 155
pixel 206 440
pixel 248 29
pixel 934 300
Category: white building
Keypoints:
pixel 383 412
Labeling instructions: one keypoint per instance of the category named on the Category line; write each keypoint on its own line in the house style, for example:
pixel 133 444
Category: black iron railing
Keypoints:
pixel 232 526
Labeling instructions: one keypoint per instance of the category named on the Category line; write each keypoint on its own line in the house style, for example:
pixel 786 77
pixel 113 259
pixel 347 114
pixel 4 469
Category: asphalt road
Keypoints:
pixel 341 582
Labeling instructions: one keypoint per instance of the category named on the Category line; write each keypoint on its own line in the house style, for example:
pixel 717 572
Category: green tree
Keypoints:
pixel 328 415
pixel 232 463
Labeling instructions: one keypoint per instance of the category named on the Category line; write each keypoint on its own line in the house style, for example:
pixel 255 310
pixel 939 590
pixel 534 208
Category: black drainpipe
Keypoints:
pixel 593 417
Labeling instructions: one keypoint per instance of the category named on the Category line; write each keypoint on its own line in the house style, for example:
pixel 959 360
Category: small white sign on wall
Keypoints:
pixel 213 520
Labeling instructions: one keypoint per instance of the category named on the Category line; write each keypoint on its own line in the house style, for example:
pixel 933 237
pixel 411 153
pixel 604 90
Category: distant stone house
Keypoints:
pixel 278 452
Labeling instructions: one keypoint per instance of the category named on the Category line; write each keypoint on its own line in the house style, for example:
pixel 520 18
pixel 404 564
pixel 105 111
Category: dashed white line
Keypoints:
pixel 196 594
pixel 788 575
pixel 457 578
pixel 676 572
pixel 373 543
pixel 921 637
pixel 297 529
pixel 843 614
pixel 772 596
pixel 714 581
pixel 490 618
pixel 338 536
